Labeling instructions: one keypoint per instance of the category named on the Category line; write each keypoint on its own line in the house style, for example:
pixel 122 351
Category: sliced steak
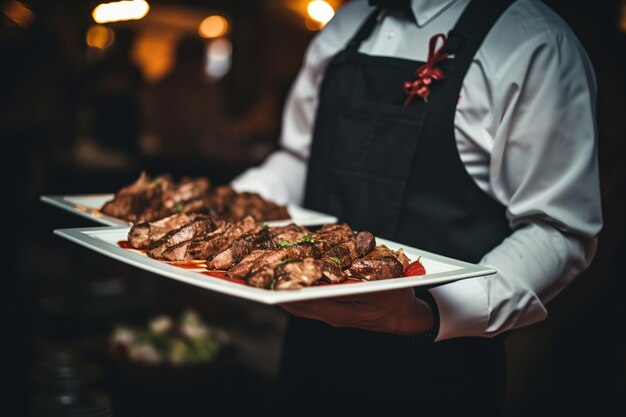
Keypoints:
pixel 187 190
pixel 307 272
pixel 258 259
pixel 206 247
pixel 195 228
pixel 329 268
pixel 141 235
pixel 358 246
pixel 331 235
pixel 381 263
pixel 133 201
pixel 268 238
pixel 263 277
pixel 290 233
pixel 242 248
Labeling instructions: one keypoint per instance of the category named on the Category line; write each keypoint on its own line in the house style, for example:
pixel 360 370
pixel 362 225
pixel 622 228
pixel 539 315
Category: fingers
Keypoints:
pixel 323 310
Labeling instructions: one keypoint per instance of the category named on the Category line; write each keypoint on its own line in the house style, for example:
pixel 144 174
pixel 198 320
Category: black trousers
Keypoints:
pixel 328 371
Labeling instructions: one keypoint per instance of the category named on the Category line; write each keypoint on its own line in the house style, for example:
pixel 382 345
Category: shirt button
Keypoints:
pixel 391 34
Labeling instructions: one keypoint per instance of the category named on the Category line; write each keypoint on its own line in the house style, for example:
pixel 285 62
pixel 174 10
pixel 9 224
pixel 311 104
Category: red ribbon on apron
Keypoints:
pixel 428 72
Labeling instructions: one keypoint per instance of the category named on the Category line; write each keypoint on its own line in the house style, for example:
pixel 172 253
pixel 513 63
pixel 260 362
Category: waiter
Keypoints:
pixel 465 128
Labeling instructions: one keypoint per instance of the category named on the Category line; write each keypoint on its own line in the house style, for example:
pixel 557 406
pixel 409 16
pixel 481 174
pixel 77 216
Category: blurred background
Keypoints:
pixel 92 95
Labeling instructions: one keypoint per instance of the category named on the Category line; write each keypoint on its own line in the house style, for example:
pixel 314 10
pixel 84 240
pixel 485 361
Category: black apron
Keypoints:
pixel 395 170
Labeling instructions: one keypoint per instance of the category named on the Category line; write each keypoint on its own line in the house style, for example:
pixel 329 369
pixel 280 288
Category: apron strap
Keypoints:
pixel 478 11
pixel 478 15
pixel 366 29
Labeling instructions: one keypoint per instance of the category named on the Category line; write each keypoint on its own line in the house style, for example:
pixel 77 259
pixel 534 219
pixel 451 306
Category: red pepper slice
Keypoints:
pixel 415 268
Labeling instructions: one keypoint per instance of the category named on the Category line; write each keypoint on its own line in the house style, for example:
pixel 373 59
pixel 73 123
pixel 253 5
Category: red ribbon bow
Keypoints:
pixel 428 72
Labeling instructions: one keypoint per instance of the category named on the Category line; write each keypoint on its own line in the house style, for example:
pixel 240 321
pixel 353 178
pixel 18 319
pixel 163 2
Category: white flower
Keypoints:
pixel 123 336
pixel 193 331
pixel 145 353
pixel 160 324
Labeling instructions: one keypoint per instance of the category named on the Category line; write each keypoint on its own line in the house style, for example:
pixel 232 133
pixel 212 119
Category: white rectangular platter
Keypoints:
pixel 89 205
pixel 439 270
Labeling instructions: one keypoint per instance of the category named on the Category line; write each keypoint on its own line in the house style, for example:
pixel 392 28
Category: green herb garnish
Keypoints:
pixel 307 238
pixel 304 239
pixel 284 261
pixel 335 260
pixel 179 207
pixel 264 225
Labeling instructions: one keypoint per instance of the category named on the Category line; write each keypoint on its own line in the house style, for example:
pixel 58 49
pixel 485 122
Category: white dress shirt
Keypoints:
pixel 525 131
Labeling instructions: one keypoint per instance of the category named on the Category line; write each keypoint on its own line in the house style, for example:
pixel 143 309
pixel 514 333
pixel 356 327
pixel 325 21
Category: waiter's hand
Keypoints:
pixel 396 311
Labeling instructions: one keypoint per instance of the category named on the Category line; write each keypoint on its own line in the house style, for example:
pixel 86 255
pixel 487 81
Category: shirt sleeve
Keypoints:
pixel 544 169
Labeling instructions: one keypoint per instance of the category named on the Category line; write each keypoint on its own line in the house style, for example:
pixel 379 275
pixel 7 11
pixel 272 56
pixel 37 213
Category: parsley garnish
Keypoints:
pixel 304 239
pixel 284 261
pixel 179 207
pixel 335 260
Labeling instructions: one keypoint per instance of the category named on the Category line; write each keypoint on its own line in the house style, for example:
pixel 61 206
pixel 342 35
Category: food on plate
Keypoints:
pixel 207 245
pixel 381 263
pixel 151 199
pixel 144 234
pixel 280 258
pixel 330 267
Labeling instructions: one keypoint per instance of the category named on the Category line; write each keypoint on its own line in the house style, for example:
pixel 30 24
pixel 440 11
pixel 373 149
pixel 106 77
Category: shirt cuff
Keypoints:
pixel 463 309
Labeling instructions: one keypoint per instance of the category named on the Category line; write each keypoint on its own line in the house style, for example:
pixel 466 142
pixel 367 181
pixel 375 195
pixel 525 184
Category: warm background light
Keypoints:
pixel 213 27
pixel 120 11
pixel 100 37
pixel 19 14
pixel 320 11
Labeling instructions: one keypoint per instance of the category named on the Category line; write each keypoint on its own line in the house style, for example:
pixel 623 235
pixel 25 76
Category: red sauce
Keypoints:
pixel 188 264
pixel 124 244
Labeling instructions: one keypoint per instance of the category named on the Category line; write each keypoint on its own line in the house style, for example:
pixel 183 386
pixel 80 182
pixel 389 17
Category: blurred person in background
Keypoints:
pixel 110 121
pixel 188 122
pixel 483 150
pixel 183 109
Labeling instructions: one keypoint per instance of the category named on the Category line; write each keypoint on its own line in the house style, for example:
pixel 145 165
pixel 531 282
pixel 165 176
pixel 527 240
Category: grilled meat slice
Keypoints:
pixel 331 235
pixel 197 227
pixel 241 248
pixel 263 277
pixel 266 239
pixel 381 263
pixel 247 264
pixel 189 189
pixel 252 203
pixel 306 272
pixel 141 235
pixel 290 233
pixel 130 203
pixel 205 247
pixel 358 246
pixel 231 205
pixel 260 258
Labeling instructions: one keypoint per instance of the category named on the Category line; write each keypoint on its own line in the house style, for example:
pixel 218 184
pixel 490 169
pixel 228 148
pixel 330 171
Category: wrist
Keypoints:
pixel 417 318
pixel 427 302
